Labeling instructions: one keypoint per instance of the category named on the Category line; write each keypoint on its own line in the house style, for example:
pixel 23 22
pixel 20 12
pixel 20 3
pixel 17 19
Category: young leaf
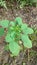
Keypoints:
pixel 18 20
pixel 4 23
pixel 12 34
pixel 26 29
pixel 1 31
pixel 26 41
pixel 29 31
pixel 8 38
pixel 12 23
pixel 14 48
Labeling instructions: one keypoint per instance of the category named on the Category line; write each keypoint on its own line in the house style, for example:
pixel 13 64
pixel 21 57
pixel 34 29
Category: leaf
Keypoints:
pixel 24 26
pixel 29 31
pixel 18 20
pixel 14 48
pixel 12 23
pixel 26 29
pixel 12 34
pixel 1 32
pixel 23 2
pixel 2 3
pixel 35 1
pixel 11 28
pixel 26 41
pixel 8 38
pixel 4 23
pixel 24 63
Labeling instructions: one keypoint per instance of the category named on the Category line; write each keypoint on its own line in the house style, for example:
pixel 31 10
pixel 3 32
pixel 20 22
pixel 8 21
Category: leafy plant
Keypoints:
pixel 16 31
pixel 28 2
pixel 23 3
pixel 3 4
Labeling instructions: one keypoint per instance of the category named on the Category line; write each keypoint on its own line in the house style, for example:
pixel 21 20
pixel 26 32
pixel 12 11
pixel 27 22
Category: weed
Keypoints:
pixel 16 31
pixel 3 4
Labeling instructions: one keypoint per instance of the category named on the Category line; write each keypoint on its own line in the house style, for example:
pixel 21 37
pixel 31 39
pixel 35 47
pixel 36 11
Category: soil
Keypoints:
pixel 29 16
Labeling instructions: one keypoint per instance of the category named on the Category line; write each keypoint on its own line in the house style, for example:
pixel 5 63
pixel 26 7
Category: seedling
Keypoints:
pixel 16 31
pixel 3 4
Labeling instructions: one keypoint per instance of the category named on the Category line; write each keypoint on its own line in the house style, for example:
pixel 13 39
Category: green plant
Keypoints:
pixel 28 2
pixel 23 3
pixel 16 31
pixel 24 64
pixel 3 4
pixel 33 2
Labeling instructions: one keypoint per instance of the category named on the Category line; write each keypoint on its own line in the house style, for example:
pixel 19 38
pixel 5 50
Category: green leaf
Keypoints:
pixel 12 23
pixel 22 4
pixel 24 63
pixel 12 35
pixel 26 41
pixel 11 28
pixel 4 23
pixel 19 20
pixel 35 1
pixel 29 31
pixel 3 3
pixel 1 32
pixel 14 48
pixel 26 29
pixel 8 38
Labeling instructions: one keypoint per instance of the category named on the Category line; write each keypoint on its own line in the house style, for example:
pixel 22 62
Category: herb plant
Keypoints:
pixel 16 31
pixel 23 3
pixel 3 4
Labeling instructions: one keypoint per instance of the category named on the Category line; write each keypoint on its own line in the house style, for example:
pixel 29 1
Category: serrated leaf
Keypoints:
pixel 8 38
pixel 26 41
pixel 4 23
pixel 1 31
pixel 14 48
pixel 18 20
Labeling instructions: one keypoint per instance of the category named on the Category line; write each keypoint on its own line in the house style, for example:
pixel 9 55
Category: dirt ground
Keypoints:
pixel 29 16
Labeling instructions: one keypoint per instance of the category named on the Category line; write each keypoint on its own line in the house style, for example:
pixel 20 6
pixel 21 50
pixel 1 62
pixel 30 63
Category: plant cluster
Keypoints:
pixel 3 4
pixel 16 31
pixel 23 3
